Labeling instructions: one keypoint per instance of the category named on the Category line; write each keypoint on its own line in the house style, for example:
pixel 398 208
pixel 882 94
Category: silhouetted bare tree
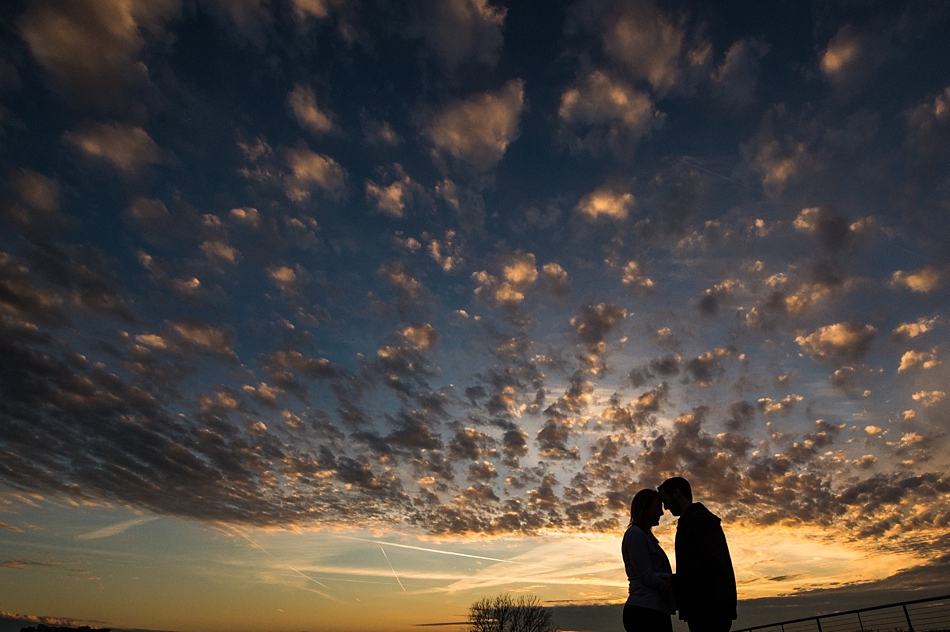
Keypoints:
pixel 504 614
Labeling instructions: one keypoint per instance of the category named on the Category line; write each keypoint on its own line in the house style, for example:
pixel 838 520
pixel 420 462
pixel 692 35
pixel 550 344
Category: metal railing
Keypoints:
pixel 920 615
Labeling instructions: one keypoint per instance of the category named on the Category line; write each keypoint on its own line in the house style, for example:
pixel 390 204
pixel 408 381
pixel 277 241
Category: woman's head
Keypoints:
pixel 646 509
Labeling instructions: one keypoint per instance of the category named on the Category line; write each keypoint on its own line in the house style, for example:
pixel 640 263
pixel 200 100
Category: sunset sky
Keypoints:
pixel 338 315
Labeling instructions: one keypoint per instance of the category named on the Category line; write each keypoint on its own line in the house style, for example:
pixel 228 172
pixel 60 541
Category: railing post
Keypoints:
pixel 910 626
pixel 860 623
pixel 818 621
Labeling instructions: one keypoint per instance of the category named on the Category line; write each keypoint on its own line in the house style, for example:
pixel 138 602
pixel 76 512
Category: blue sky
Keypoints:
pixel 309 304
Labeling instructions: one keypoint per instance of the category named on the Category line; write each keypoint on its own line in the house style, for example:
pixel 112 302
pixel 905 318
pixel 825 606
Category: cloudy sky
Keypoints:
pixel 342 314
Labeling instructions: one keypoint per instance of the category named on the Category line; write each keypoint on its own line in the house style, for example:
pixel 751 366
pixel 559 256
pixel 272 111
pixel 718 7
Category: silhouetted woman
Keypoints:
pixel 650 602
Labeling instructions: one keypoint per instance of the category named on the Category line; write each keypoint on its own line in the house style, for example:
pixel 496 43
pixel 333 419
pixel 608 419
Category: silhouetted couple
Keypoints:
pixel 703 589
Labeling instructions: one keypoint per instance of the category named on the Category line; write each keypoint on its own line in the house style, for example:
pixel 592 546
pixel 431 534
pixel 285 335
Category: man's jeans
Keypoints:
pixel 709 625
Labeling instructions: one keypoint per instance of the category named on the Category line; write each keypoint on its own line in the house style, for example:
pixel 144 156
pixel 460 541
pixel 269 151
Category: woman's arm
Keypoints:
pixel 638 557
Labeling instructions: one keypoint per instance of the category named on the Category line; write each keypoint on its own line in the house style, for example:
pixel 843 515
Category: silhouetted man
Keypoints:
pixel 704 583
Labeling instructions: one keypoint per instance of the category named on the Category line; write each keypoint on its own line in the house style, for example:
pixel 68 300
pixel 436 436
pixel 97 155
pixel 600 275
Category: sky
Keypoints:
pixel 339 315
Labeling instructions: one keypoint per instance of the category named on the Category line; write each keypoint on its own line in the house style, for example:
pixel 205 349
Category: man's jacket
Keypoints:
pixel 705 583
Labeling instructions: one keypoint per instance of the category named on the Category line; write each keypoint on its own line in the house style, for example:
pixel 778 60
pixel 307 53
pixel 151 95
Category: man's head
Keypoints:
pixel 676 495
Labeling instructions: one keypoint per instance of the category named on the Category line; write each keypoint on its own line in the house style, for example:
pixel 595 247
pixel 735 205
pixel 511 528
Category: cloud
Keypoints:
pixel 49 621
pixel 309 169
pixel 709 301
pixel 595 322
pixel 91 47
pixel 634 275
pixel 925 279
pixel 514 446
pixel 665 335
pixel 118 441
pixel 397 276
pixel 40 194
pixel 159 274
pixel 848 341
pixel 126 147
pixel 640 412
pixel 116 529
pixel 705 368
pixel 854 54
pixel 275 481
pixel 247 216
pixel 264 394
pixel 929 124
pixel 929 398
pixel 865 462
pixel 78 284
pixel 193 335
pixel 907 440
pixel 518 272
pixel 380 133
pixel 853 381
pixel 556 279
pixel 284 366
pixel 39 199
pixel 666 366
pixel 553 440
pixel 303 104
pixel 391 199
pixel 711 235
pixel 735 79
pixel 741 414
pixel 477 131
pixel 843 53
pixel 832 232
pixel 467 203
pixel 592 326
pixel 908 331
pixel 413 400
pixel 607 112
pixel 784 406
pixel 606 202
pixel 460 31
pixel 285 278
pixel 471 445
pixel 923 359
pixel 420 337
pixel 794 294
pixel 317 9
pixel 152 218
pixel 651 44
pixel 446 252
pixel 678 197
pixel 247 18
pixel 219 251
pixel 779 163
pixel 256 150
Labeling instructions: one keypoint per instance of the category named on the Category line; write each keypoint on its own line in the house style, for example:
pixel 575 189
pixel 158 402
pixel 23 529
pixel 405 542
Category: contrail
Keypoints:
pixel 357 581
pixel 419 548
pixel 393 569
pixel 307 576
pixel 258 546
pixel 718 175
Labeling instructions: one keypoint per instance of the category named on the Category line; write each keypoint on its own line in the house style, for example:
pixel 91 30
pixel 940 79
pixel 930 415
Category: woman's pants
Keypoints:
pixel 640 619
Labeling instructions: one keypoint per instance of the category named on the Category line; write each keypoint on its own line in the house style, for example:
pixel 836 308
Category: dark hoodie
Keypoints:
pixel 705 583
